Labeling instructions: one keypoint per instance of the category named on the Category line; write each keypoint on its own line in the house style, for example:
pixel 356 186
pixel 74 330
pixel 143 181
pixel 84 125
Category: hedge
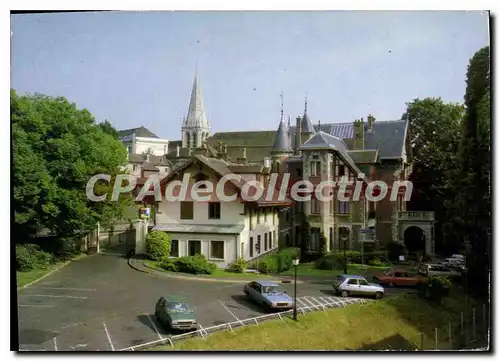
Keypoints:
pixel 335 260
pixel 280 261
pixel 30 256
pixel 197 264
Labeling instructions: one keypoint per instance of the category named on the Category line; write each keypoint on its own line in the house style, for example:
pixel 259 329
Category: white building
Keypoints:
pixel 222 231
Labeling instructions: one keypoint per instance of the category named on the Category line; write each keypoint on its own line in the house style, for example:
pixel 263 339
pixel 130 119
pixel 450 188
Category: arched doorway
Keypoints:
pixel 414 238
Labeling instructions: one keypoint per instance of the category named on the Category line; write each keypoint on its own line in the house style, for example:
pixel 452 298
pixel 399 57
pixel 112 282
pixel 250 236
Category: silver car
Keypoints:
pixel 438 270
pixel 349 285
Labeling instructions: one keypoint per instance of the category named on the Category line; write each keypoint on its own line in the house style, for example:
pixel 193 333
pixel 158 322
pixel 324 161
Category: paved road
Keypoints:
pixel 99 303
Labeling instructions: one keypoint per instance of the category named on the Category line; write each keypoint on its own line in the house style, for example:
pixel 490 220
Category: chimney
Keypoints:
pixel 371 120
pixel 165 148
pixel 359 134
pixel 298 137
pixel 178 151
pixel 148 157
pixel 267 162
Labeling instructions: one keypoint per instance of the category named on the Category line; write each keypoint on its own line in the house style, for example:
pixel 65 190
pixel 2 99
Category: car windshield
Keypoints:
pixel 178 307
pixel 271 290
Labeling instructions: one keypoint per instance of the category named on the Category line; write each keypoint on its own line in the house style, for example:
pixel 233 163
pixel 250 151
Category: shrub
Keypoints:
pixel 376 262
pixel 394 250
pixel 434 287
pixel 197 264
pixel 169 265
pixel 30 256
pixel 157 245
pixel 238 266
pixel 268 264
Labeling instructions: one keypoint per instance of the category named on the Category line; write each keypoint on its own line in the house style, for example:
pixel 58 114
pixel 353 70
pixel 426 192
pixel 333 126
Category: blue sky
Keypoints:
pixel 137 68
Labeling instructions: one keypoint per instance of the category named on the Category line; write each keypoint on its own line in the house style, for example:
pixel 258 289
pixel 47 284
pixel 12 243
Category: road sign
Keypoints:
pixel 367 231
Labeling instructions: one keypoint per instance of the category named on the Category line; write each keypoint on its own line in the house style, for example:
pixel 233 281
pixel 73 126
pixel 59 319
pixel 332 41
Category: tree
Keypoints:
pixel 108 129
pixel 57 148
pixel 158 245
pixel 474 179
pixel 435 133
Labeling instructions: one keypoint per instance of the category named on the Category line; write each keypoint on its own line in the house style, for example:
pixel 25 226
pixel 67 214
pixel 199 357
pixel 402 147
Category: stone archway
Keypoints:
pixel 415 239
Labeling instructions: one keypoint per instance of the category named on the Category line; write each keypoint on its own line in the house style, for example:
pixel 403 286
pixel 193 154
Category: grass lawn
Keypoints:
pixel 23 278
pixel 393 323
pixel 309 269
pixel 218 273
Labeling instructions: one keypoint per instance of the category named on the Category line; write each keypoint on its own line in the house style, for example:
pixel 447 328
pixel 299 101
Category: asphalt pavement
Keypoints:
pixel 99 303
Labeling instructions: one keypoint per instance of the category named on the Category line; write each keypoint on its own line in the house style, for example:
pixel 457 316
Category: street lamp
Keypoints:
pixel 345 256
pixel 295 263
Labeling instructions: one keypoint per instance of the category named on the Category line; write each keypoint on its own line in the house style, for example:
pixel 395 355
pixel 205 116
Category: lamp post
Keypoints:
pixel 345 256
pixel 295 263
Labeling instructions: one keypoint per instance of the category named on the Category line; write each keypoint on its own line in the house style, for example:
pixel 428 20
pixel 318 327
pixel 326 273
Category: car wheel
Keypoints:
pixel 344 294
pixel 378 295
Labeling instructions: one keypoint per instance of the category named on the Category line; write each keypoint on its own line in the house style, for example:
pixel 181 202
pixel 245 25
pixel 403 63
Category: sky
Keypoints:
pixel 137 68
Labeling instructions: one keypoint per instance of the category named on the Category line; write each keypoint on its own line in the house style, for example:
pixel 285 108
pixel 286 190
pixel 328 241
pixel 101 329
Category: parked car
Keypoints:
pixel 427 270
pixel 348 285
pixel 268 294
pixel 398 277
pixel 176 313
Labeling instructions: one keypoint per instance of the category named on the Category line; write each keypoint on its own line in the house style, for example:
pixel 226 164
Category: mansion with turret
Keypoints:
pixel 374 149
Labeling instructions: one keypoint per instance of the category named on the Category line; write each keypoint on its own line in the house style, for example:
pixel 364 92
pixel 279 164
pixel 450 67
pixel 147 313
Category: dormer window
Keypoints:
pixel 315 166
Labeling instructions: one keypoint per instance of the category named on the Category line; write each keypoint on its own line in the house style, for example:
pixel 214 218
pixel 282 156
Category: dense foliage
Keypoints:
pixel 451 149
pixel 197 264
pixel 30 256
pixel 434 288
pixel 57 148
pixel 336 259
pixel 278 262
pixel 238 266
pixel 158 245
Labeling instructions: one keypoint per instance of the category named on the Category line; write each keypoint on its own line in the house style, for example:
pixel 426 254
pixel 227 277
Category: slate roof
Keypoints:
pixel 306 124
pixel 259 144
pixel 139 132
pixel 196 117
pixel 387 136
pixel 363 156
pixel 282 140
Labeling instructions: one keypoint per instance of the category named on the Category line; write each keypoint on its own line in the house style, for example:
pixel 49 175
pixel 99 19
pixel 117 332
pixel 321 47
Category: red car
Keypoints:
pixel 398 277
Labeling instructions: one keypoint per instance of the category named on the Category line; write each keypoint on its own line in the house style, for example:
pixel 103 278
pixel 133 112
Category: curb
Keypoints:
pixel 53 271
pixel 147 269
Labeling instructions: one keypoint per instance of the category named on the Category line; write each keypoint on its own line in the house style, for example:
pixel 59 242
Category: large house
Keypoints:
pixel 380 150
pixel 221 230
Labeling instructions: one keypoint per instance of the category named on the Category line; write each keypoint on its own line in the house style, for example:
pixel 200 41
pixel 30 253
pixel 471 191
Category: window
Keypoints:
pixel 331 239
pixel 258 216
pixel 332 208
pixel 299 172
pixel 363 283
pixel 341 170
pixel 257 246
pixel 214 210
pixel 287 239
pixel 251 246
pixel 217 249
pixel 174 248
pixel 315 168
pixel 287 218
pixel 315 206
pixel 343 207
pixel 265 242
pixel 242 250
pixel 186 210
pixel 194 248
pixel 352 282
pixel 270 240
pixel 129 149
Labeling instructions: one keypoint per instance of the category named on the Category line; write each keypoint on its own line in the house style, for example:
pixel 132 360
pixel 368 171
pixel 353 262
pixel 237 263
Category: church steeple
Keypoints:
pixel 195 127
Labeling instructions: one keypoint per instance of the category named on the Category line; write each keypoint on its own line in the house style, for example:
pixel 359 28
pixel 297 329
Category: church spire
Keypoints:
pixel 195 128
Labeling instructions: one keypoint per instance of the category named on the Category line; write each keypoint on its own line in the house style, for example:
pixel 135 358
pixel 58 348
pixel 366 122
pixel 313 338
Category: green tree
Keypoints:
pixel 435 134
pixel 108 128
pixel 474 180
pixel 57 148
pixel 158 245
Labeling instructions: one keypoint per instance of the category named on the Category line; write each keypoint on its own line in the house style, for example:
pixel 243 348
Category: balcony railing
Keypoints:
pixel 416 216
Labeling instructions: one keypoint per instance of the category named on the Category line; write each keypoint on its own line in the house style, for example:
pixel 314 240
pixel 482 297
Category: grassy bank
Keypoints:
pixel 309 269
pixel 24 278
pixel 218 273
pixel 394 323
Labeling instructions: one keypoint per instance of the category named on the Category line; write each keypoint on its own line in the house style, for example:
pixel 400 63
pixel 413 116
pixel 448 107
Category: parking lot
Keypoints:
pixel 100 304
